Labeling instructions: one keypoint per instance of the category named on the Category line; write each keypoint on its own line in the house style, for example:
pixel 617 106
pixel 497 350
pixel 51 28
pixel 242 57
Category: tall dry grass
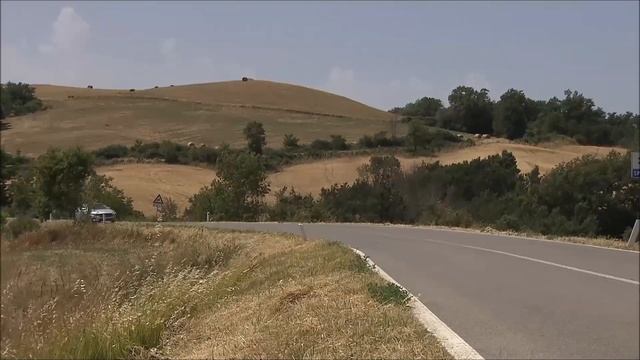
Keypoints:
pixel 132 291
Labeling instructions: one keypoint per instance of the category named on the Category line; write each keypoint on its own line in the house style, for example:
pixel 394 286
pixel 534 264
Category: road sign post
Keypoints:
pixel 159 205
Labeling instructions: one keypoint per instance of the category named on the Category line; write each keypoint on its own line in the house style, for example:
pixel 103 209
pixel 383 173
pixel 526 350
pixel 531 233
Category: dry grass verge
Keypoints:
pixel 133 291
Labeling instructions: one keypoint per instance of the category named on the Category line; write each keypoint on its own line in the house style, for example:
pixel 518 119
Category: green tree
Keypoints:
pixel 384 173
pixel 256 140
pixel 417 136
pixel 59 180
pixel 18 99
pixel 469 111
pixel 23 194
pixel 290 141
pixel 99 190
pixel 510 117
pixel 426 106
pixel 236 194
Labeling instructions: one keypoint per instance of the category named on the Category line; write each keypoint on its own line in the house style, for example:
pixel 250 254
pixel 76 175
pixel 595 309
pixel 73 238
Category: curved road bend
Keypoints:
pixel 507 297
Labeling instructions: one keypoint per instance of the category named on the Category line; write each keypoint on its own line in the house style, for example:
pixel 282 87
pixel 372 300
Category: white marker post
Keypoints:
pixel 304 235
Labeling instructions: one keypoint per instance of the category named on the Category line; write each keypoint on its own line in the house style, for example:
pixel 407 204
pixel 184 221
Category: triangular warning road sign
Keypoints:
pixel 158 200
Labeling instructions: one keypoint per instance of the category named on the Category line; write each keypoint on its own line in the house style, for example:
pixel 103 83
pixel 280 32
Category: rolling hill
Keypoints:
pixel 210 113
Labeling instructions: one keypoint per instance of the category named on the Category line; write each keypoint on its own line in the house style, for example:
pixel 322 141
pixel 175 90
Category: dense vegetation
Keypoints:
pixel 18 99
pixel 420 140
pixel 516 116
pixel 587 196
pixel 57 183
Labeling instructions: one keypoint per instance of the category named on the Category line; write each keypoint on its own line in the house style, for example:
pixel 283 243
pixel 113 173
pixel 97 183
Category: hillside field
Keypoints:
pixel 143 182
pixel 212 114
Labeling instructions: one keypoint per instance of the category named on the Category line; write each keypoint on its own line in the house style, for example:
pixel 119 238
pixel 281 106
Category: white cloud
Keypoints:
pixel 168 48
pixel 341 81
pixel 380 94
pixel 70 33
pixel 477 81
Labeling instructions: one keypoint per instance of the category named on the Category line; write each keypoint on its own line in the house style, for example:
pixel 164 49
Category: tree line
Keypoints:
pixel 587 196
pixel 57 183
pixel 516 116
pixel 420 139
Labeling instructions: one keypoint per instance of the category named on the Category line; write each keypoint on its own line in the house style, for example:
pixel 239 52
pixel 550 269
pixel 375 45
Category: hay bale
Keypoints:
pixel 245 79
pixel 89 86
pixel 132 90
pixel 477 136
pixel 191 144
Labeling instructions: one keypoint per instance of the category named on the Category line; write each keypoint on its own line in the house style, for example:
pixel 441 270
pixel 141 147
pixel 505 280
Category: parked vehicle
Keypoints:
pixel 97 213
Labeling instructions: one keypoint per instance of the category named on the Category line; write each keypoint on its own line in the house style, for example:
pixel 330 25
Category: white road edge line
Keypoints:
pixel 455 345
pixel 606 276
pixel 478 232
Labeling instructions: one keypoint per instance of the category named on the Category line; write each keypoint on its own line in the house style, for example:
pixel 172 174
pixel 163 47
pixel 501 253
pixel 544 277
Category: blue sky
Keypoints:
pixel 383 54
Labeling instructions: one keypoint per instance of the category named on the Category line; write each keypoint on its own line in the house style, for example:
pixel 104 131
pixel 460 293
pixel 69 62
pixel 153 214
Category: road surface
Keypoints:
pixel 507 297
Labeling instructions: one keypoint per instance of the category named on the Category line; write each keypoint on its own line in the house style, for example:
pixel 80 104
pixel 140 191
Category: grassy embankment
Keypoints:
pixel 141 291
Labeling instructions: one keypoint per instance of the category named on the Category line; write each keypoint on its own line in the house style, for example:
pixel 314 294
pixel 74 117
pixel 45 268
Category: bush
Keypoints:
pixel 338 142
pixel 20 225
pixel 322 145
pixel 290 141
pixel 169 210
pixel 293 206
pixel 111 152
pixel 379 139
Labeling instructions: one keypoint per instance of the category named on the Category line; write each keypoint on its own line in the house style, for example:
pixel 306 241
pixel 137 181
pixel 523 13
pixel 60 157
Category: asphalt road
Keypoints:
pixel 506 297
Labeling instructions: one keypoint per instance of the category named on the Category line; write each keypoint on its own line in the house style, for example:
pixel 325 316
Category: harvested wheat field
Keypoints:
pixel 150 292
pixel 143 182
pixel 313 176
pixel 212 114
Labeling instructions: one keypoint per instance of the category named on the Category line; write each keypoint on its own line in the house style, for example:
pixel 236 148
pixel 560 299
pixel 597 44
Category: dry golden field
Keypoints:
pixel 211 113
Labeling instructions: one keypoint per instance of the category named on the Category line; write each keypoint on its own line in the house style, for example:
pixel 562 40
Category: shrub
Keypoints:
pixel 338 142
pixel 169 210
pixel 20 225
pixel 290 141
pixel 293 206
pixel 388 293
pixel 322 145
pixel 111 152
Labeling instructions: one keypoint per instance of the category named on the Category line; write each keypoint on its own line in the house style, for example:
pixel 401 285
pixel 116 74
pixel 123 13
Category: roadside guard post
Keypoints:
pixel 304 234
pixel 635 175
